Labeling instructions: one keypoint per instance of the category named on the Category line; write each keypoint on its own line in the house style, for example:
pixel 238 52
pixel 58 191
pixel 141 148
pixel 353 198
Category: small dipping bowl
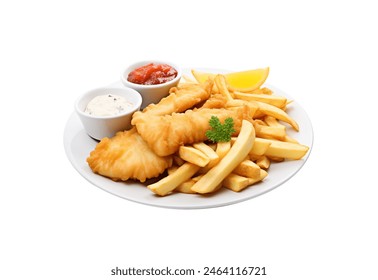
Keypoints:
pixel 151 93
pixel 99 127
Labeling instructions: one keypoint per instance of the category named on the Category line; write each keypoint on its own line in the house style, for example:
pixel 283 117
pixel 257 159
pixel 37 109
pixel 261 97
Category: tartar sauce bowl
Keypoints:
pixel 99 127
pixel 151 93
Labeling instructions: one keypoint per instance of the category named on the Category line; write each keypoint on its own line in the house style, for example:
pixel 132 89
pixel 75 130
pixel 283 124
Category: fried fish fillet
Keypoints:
pixel 215 101
pixel 165 134
pixel 180 99
pixel 127 156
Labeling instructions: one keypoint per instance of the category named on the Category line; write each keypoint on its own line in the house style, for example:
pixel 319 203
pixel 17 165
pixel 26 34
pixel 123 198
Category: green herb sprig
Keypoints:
pixel 220 132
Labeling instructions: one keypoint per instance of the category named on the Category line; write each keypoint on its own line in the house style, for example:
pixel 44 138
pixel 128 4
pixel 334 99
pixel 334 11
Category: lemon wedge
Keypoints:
pixel 244 81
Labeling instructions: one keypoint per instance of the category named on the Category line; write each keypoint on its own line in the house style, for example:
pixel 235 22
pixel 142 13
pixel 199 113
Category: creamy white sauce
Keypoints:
pixel 107 105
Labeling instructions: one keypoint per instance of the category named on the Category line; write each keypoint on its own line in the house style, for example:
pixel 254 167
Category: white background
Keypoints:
pixel 322 224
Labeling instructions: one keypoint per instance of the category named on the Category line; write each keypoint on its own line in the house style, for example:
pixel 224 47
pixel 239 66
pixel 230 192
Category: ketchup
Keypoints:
pixel 152 74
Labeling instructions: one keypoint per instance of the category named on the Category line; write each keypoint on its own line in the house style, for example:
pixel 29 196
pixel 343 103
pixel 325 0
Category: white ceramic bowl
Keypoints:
pixel 100 127
pixel 151 93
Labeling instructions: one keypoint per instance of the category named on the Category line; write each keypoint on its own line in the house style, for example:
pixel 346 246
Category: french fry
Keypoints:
pixel 247 168
pixel 273 111
pixel 275 100
pixel 221 83
pixel 223 148
pixel 209 152
pixel 215 89
pixel 254 158
pixel 193 155
pixel 186 187
pixel 276 159
pixel 259 147
pixel 270 131
pixel 237 154
pixel 237 183
pixel 263 175
pixel 263 162
pixel 282 149
pixel 183 187
pixel 263 90
pixel 260 122
pixel 196 179
pixel 170 182
pixel 272 121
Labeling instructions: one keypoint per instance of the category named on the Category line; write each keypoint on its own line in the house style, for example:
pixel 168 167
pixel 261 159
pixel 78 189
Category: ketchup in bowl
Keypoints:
pixel 152 74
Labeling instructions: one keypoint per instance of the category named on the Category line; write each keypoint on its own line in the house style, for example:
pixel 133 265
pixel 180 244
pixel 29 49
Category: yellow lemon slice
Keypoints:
pixel 244 81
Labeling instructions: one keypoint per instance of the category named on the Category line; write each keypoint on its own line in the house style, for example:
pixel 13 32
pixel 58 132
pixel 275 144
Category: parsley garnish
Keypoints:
pixel 220 132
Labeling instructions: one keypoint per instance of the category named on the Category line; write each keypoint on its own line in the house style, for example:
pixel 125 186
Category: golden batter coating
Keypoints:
pixel 127 156
pixel 215 101
pixel 180 99
pixel 165 134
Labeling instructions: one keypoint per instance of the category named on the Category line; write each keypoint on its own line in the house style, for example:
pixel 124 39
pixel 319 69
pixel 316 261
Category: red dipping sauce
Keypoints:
pixel 152 74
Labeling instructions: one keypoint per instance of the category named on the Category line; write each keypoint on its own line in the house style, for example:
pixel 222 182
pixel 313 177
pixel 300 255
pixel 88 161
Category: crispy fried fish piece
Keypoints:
pixel 180 99
pixel 165 134
pixel 127 156
pixel 215 101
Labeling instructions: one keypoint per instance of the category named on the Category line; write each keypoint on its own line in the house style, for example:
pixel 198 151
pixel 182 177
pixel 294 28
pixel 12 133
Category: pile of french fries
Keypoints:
pixel 204 168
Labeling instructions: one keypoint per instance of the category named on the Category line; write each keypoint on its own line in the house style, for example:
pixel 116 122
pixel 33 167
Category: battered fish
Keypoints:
pixel 215 101
pixel 165 134
pixel 127 156
pixel 180 99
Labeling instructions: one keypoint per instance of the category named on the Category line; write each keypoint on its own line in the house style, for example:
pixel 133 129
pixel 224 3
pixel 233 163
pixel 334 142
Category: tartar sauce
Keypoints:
pixel 107 105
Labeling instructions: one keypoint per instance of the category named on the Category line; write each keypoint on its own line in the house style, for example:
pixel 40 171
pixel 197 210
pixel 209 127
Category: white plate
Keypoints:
pixel 78 145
